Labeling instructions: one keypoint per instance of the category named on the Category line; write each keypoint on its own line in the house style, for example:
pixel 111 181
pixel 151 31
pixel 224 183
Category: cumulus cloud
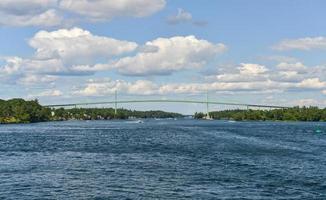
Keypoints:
pixel 47 93
pixel 107 10
pixel 12 65
pixel 312 83
pixel 33 80
pixel 240 86
pixel 66 52
pixel 297 67
pixel 109 86
pixel 247 77
pixel 19 67
pixel 246 72
pixel 144 87
pixel 308 43
pixel 60 12
pixel 255 77
pixel 78 52
pixel 29 13
pixel 309 102
pixel 287 76
pixel 77 45
pixel 252 69
pixel 283 72
pixel 170 55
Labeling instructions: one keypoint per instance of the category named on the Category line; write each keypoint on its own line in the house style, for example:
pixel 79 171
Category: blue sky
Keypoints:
pixel 253 51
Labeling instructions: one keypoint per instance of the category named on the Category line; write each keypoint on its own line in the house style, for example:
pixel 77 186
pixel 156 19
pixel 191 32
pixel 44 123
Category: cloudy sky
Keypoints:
pixel 254 51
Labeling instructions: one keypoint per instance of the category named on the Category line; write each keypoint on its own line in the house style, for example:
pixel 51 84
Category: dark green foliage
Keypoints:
pixel 108 113
pixel 21 111
pixel 199 115
pixel 289 114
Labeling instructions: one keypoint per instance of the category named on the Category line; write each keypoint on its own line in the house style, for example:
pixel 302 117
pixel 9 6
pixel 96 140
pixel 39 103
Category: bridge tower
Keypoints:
pixel 115 103
pixel 207 106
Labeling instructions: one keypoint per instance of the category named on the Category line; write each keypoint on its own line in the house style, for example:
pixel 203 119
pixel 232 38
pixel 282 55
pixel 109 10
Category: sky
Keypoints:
pixel 241 51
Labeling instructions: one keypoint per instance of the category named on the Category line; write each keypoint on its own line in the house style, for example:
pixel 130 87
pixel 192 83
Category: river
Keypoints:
pixel 163 159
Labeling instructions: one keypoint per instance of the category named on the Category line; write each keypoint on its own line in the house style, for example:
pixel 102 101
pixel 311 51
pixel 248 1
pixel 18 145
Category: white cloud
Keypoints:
pixel 108 86
pixel 35 79
pixel 65 52
pixel 29 13
pixel 47 93
pixel 20 66
pixel 309 102
pixel 284 72
pixel 77 46
pixel 78 52
pixel 173 54
pixel 61 12
pixel 312 83
pixel 287 76
pixel 181 17
pixel 246 72
pixel 12 65
pixel 252 69
pixel 324 92
pixel 265 85
pixel 21 7
pixel 143 87
pixel 109 9
pixel 247 77
pixel 297 67
pixel 307 43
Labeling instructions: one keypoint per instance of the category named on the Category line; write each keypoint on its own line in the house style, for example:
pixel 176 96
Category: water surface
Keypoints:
pixel 163 159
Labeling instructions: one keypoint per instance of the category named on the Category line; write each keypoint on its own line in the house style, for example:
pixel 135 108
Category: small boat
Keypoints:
pixel 135 122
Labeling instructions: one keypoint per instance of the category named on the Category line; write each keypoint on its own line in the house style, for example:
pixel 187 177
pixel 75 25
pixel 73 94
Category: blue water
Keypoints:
pixel 163 159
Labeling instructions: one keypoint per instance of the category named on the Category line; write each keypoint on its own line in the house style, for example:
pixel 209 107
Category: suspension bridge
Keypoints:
pixel 206 102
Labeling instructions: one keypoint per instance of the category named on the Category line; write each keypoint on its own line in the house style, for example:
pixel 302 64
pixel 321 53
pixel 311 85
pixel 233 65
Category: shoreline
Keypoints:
pixel 136 119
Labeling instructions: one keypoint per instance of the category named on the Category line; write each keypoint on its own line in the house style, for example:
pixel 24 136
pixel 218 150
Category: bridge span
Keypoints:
pixel 207 103
pixel 165 101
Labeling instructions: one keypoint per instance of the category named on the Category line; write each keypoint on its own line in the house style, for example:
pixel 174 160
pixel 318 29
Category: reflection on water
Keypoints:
pixel 163 159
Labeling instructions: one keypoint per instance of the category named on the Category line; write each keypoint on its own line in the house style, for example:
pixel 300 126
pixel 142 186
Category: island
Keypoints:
pixel 313 114
pixel 22 111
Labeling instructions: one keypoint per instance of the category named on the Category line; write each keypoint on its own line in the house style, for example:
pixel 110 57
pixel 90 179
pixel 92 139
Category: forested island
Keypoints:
pixel 289 114
pixel 21 111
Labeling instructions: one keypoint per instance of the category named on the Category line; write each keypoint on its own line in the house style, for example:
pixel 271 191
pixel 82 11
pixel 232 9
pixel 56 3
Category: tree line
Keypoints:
pixel 108 114
pixel 289 114
pixel 21 111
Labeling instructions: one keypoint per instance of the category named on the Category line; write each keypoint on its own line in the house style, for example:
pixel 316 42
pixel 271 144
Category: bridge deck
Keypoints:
pixel 165 101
